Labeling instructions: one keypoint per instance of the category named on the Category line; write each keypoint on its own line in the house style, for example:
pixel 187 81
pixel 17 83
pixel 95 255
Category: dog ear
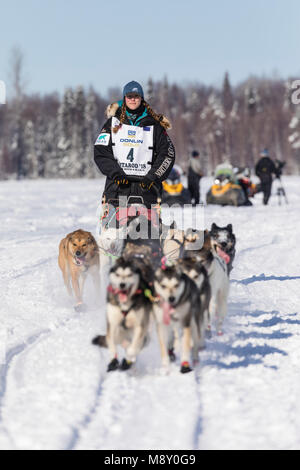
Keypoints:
pixel 69 237
pixel 207 240
pixel 93 241
pixel 213 226
pixel 191 238
pixel 229 226
pixel 90 238
pixel 191 235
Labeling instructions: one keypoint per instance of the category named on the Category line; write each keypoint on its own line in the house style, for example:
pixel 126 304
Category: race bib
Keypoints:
pixel 133 148
pixel 103 139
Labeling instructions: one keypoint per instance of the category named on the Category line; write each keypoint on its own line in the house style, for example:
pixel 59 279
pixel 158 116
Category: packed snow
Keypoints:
pixel 55 392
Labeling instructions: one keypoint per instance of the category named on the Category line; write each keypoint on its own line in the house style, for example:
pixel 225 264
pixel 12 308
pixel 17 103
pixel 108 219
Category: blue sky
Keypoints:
pixel 108 43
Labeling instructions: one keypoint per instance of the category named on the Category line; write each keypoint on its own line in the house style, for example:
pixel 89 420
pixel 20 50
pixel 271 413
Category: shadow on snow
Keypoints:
pixel 263 277
pixel 227 355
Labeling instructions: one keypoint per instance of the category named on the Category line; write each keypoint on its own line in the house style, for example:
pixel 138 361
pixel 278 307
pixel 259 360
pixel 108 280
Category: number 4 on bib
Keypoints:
pixel 130 155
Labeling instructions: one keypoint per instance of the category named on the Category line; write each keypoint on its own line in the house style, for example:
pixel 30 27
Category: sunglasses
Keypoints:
pixel 132 96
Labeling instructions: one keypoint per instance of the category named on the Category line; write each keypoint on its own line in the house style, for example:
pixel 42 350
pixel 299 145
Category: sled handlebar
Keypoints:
pixel 137 179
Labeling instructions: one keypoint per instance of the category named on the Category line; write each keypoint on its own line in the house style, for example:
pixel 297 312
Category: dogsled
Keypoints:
pixel 142 279
pixel 127 218
pixel 174 191
pixel 226 191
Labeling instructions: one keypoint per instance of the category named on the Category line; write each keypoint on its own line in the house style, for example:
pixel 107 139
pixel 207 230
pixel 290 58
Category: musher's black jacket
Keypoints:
pixel 162 161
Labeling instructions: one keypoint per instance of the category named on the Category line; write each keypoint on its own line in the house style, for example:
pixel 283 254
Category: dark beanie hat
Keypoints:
pixel 133 87
pixel 195 153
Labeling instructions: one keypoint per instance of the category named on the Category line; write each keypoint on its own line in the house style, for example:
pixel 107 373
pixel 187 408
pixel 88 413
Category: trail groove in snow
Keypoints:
pixel 54 389
pixel 25 271
pixel 149 406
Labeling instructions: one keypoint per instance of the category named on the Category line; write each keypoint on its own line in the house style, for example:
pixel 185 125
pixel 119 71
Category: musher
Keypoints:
pixel 133 149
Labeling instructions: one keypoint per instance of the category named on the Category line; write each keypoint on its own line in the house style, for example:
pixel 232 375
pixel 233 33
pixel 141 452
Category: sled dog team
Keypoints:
pixel 185 295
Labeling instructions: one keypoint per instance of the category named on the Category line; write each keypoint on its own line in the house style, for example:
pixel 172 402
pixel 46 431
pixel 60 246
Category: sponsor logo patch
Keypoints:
pixel 103 139
pixel 131 141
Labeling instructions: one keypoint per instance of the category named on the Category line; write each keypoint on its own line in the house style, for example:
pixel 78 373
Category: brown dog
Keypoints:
pixel 78 256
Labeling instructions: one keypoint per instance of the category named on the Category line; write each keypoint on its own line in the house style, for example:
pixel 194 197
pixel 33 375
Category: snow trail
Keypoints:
pixel 54 389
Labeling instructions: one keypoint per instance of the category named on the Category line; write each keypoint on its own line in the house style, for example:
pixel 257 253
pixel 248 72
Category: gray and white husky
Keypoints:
pixel 177 314
pixel 223 243
pixel 216 269
pixel 195 270
pixel 128 314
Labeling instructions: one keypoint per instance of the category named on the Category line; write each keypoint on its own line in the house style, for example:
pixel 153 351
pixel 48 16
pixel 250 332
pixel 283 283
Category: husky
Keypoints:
pixel 223 243
pixel 128 314
pixel 140 256
pixel 218 278
pixel 177 311
pixel 143 235
pixel 197 272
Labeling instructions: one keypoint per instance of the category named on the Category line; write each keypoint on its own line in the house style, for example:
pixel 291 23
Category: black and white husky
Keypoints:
pixel 218 278
pixel 128 314
pixel 196 271
pixel 177 314
pixel 223 243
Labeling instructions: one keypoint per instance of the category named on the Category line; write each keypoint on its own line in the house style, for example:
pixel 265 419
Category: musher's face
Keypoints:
pixel 133 101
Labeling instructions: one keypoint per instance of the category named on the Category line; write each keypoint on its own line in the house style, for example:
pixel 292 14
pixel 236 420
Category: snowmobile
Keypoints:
pixel 243 177
pixel 173 190
pixel 226 191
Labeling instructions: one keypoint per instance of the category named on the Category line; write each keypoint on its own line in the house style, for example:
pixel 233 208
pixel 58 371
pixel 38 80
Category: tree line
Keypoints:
pixel 52 137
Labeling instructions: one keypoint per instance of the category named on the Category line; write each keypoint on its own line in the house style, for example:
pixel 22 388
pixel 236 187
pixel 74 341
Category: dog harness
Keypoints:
pixel 118 216
pixel 116 291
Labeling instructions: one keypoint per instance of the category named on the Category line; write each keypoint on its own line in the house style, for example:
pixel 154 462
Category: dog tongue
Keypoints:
pixel 123 296
pixel 223 255
pixel 167 312
pixel 80 260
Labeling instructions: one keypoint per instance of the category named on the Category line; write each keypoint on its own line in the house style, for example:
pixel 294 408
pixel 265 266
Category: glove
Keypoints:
pixel 121 180
pixel 146 184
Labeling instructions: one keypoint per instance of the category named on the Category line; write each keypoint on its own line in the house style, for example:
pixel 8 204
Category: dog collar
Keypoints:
pixel 116 290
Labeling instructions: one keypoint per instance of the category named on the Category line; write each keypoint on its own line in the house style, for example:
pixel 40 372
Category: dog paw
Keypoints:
pixel 125 364
pixel 172 355
pixel 185 367
pixel 113 365
pixel 100 341
pixel 80 307
pixel 208 333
